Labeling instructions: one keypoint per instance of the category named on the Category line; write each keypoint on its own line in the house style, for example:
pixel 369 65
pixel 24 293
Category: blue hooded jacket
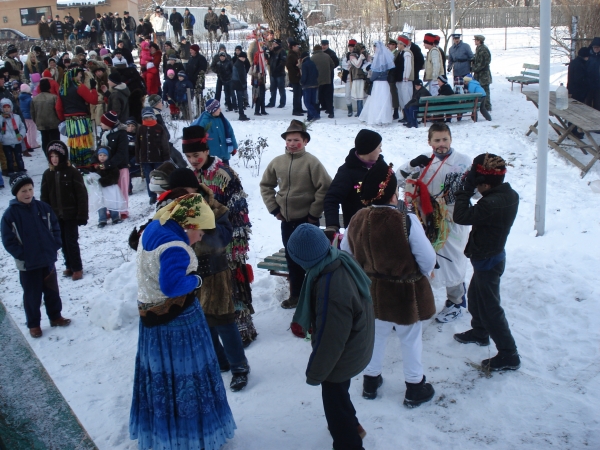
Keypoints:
pixel 31 234
pixel 25 104
pixel 169 87
pixel 181 89
pixel 475 88
pixel 218 129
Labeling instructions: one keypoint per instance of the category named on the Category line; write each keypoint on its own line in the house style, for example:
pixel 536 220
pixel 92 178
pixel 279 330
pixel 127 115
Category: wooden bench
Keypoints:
pixel 276 264
pixel 441 107
pixel 529 75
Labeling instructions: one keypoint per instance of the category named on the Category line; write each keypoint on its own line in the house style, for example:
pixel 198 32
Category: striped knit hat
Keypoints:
pixel 110 119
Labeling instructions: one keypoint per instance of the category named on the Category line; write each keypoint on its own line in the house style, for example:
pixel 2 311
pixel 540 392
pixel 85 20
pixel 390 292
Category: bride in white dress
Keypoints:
pixel 378 107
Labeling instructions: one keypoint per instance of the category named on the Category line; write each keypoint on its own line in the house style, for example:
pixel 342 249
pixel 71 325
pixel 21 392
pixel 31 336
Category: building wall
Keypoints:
pixel 10 16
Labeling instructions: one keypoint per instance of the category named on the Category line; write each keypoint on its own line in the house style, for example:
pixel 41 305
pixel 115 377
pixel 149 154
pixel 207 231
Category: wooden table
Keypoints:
pixel 576 115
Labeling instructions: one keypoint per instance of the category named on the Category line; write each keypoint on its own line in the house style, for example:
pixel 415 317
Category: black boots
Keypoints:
pixel 468 337
pixel 396 115
pixel 417 393
pixel 370 386
pixel 350 110
pixel 502 361
pixel 240 379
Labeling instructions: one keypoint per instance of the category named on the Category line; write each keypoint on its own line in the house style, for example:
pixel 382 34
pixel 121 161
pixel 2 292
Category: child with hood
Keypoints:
pixel 35 81
pixel 63 189
pixel 134 168
pixel 222 142
pixel 181 98
pixel 12 133
pixel 152 79
pixel 31 234
pixel 112 199
pixel 169 87
pixel 145 56
pixel 25 105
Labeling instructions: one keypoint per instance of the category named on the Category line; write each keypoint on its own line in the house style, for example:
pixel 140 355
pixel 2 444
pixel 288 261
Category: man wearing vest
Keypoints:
pixel 434 66
pixel 405 78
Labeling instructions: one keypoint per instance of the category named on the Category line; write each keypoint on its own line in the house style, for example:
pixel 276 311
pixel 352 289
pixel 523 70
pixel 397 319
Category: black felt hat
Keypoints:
pixel 194 139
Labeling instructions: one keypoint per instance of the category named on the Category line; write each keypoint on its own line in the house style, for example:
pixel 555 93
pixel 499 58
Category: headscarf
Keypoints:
pixel 383 60
pixel 190 211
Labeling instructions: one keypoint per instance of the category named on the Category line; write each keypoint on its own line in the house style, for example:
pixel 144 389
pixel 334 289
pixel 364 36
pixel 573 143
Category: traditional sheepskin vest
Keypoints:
pixel 433 53
pixel 379 241
pixel 411 77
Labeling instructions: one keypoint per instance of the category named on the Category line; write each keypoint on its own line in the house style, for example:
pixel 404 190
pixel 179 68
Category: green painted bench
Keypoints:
pixel 529 75
pixel 276 264
pixel 441 107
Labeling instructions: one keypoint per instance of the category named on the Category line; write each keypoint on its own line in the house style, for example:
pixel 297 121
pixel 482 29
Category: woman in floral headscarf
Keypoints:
pixel 179 400
pixel 76 98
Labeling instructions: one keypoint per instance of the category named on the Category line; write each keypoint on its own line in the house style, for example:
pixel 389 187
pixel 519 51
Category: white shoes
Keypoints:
pixel 450 313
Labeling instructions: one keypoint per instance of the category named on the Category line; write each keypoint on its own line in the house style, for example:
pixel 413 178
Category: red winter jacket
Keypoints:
pixel 152 80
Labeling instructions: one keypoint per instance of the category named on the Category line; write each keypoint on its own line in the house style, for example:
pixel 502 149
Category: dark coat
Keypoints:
pixel 417 94
pixel 118 143
pixel 196 65
pixel 118 101
pixel 224 70
pixel 292 67
pixel 577 83
pixel 310 74
pixel 31 234
pixel 169 88
pixel 343 191
pixel 343 328
pixel 109 176
pixel 181 88
pixel 239 77
pixel 151 144
pixel 64 190
pixel 277 62
pixel 378 238
pixel 593 70
pixel 446 89
pixel 176 20
pixel 224 23
pixel 333 56
pixel 491 217
pixel 419 59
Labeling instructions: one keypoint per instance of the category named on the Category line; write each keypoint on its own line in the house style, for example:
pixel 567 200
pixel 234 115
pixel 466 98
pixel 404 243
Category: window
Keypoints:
pixel 31 16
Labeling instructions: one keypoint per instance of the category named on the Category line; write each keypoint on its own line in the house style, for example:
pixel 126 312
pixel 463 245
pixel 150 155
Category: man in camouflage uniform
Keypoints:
pixel 480 67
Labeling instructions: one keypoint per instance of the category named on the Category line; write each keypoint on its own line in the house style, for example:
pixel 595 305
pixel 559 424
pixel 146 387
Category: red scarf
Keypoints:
pixel 15 127
pixel 149 122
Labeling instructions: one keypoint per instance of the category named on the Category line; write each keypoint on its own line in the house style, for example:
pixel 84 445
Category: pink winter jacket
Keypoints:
pixel 145 56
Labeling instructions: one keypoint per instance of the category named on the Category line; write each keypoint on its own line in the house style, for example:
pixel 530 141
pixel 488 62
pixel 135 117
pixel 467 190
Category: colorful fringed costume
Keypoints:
pixel 76 97
pixel 227 189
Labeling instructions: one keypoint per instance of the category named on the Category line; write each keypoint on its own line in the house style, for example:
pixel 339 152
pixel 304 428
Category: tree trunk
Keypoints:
pixel 286 20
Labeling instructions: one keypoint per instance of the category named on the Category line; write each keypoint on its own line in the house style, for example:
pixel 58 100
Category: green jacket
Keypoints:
pixel 324 65
pixel 302 181
pixel 343 328
pixel 481 65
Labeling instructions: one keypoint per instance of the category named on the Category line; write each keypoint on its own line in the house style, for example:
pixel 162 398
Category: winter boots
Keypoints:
pixel 468 337
pixel 417 393
pixel 359 107
pixel 396 115
pixel 77 275
pixel 60 322
pixel 35 332
pixel 451 312
pixel 290 303
pixel 350 110
pixel 370 386
pixel 240 379
pixel 502 361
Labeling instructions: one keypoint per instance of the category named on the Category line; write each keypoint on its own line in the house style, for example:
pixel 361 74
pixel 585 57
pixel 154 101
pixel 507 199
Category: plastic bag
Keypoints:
pixel 96 200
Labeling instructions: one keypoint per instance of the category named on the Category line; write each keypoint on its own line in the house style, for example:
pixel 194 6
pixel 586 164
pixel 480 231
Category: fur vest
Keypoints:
pixel 378 239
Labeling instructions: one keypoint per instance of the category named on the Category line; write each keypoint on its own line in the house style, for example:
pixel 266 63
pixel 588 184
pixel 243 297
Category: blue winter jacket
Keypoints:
pixel 174 261
pixel 475 88
pixel 216 128
pixel 459 59
pixel 31 234
pixel 25 104
pixel 181 90
pixel 310 74
pixel 169 87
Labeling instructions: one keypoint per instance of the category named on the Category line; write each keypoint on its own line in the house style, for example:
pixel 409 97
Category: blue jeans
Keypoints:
pixel 9 152
pixel 277 83
pixel 147 168
pixel 131 35
pixel 240 102
pixel 232 349
pixel 102 218
pixel 110 39
pixel 310 99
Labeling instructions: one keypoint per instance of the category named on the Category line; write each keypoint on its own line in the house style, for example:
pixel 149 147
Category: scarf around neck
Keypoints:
pixel 363 283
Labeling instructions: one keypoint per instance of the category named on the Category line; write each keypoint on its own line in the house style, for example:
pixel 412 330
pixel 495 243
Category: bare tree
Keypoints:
pixel 588 24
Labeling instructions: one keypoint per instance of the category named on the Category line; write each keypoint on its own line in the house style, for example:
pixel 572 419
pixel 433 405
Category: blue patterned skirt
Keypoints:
pixel 179 401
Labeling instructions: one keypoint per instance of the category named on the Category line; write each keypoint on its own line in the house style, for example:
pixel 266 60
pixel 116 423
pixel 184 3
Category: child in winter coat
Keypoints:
pixel 35 81
pixel 25 105
pixel 31 234
pixel 63 189
pixel 181 98
pixel 12 134
pixel 134 168
pixel 169 87
pixel 152 79
pixel 145 56
pixel 222 142
pixel 112 199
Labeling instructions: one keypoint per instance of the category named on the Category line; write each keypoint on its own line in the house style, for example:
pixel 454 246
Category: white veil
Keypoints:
pixel 383 60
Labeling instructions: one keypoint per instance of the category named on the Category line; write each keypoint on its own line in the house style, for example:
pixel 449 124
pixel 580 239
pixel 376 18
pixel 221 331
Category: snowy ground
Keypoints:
pixel 548 290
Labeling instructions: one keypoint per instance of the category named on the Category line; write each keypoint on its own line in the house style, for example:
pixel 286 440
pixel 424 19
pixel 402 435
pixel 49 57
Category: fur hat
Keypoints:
pixel 110 119
pixel 308 245
pixel 212 105
pixel 489 168
pixel 194 139
pixel 19 182
pixel 159 177
pixel 595 42
pixel 366 141
pixel 379 184
pixel 429 39
pixel 584 52
pixel 297 127
pixel 184 178
pixel 60 148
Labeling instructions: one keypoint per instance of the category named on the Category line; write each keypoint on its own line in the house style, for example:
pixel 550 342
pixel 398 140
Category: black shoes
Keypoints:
pixel 270 106
pixel 417 393
pixel 298 114
pixel 502 361
pixel 152 201
pixel 468 337
pixel 290 303
pixel 281 106
pixel 330 116
pixel 244 119
pixel 239 380
pixel 370 386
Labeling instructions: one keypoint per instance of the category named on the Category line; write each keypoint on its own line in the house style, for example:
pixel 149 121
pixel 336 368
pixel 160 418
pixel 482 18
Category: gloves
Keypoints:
pixel 449 68
pixel 82 223
pixel 421 161
pixel 234 152
pixel 330 232
pixel 468 182
pixel 93 83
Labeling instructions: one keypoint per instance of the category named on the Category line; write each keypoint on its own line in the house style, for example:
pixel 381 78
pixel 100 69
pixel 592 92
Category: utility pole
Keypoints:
pixel 452 17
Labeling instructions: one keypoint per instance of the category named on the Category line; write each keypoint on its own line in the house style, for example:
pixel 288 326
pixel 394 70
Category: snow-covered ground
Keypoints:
pixel 549 290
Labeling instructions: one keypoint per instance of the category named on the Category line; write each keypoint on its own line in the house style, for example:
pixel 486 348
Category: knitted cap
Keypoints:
pixel 154 100
pixel 467 78
pixel 103 52
pixel 443 79
pixel 104 151
pixel 379 184
pixel 195 47
pixel 159 177
pixel 131 121
pixel 148 113
pixel 181 73
pixel 110 119
pixel 183 178
pixel 35 77
pixel 170 72
pixel 366 141
pixel 19 182
pixel 25 88
pixel 212 105
pixel 308 245
pixel 47 74
pixel 490 169
pixel 115 78
pixel 58 147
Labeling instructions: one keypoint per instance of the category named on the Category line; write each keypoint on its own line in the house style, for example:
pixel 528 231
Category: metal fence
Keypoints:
pixel 478 18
